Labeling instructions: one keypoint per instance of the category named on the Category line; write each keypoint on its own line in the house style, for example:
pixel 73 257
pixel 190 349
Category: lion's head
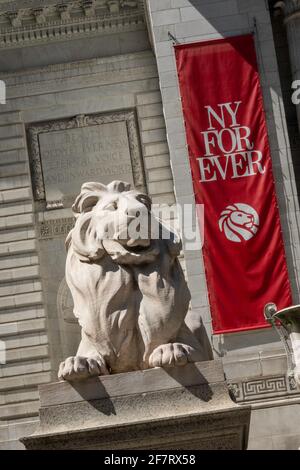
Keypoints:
pixel 115 220
pixel 239 222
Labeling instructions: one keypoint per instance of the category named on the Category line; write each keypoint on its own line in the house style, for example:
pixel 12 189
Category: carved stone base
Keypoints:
pixel 180 408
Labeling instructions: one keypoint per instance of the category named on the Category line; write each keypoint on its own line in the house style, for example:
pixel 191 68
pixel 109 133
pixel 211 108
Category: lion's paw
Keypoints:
pixel 78 368
pixel 168 355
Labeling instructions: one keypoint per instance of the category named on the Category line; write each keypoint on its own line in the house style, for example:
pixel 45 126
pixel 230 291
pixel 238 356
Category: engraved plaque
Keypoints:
pixel 65 154
pixel 73 156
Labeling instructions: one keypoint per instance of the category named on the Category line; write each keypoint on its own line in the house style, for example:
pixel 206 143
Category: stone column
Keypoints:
pixel 292 21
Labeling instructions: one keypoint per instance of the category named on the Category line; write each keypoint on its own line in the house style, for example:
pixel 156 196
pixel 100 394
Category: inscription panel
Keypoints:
pixel 66 153
pixel 72 156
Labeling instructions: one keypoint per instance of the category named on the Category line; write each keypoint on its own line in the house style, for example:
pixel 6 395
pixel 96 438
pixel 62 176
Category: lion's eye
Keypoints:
pixel 112 206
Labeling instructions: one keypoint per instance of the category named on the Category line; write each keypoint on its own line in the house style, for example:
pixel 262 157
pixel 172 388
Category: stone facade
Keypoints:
pixel 34 300
pixel 256 354
pixel 65 64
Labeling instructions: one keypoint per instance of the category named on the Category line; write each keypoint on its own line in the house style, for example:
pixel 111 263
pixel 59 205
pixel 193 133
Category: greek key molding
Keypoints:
pixel 55 228
pixel 261 388
pixel 23 22
pixel 34 130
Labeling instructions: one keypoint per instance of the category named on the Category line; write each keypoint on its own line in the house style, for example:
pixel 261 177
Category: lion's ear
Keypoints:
pixel 118 186
pixel 88 198
pixel 93 187
pixel 84 239
pixel 85 203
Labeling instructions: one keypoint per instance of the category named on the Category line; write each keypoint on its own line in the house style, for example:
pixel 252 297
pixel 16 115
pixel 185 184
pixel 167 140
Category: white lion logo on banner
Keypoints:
pixel 239 222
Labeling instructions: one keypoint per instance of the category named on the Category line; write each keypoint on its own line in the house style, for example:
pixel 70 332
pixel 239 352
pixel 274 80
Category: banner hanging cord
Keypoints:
pixel 172 38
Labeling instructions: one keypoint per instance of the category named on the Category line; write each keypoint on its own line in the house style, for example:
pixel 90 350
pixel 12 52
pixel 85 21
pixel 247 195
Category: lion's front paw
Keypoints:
pixel 167 355
pixel 78 368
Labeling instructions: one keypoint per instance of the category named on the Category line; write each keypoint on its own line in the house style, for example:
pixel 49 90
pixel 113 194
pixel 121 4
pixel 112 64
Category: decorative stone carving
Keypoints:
pixel 129 291
pixel 55 228
pixel 81 120
pixel 65 304
pixel 290 8
pixel 37 132
pixel 40 15
pixel 54 205
pixel 65 11
pixel 33 21
pixel 262 388
pixel 15 17
pixel 89 7
pixel 114 6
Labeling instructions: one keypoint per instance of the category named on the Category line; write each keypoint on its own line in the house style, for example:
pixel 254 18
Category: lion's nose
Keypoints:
pixel 133 212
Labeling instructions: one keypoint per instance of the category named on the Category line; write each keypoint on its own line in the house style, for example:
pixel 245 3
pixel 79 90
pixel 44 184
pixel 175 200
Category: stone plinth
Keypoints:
pixel 178 408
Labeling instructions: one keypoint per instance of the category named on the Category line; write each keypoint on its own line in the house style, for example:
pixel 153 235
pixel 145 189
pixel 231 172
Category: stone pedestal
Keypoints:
pixel 178 408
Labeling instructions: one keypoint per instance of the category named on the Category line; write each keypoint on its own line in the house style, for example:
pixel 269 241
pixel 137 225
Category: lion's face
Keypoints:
pixel 241 218
pixel 112 219
pixel 123 217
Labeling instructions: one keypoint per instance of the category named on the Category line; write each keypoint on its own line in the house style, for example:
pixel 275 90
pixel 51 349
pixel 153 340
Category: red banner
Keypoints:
pixel 232 176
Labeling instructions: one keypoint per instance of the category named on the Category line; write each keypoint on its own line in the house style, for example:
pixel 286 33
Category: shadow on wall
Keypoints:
pixel 103 405
pixel 201 391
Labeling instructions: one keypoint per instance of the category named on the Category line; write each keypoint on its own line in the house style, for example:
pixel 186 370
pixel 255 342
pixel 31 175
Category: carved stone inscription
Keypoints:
pixel 66 153
pixel 72 156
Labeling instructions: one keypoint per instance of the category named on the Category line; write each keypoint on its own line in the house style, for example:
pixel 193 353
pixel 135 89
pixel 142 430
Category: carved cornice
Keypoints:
pixel 291 6
pixel 33 21
pixel 290 9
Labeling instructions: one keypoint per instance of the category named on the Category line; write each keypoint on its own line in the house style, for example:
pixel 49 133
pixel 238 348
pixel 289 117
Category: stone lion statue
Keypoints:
pixel 130 295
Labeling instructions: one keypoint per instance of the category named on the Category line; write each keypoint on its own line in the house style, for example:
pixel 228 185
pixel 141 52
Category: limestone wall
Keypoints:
pixel 254 362
pixel 32 264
